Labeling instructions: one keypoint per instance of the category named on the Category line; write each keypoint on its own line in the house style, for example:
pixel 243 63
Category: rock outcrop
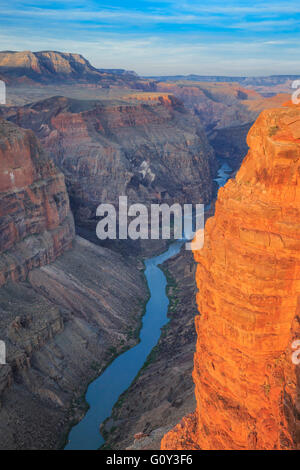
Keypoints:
pixel 67 307
pixel 227 111
pixel 36 225
pixel 148 147
pixel 51 67
pixel 248 276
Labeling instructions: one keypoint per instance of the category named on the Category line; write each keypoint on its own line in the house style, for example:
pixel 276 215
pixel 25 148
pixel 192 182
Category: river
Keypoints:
pixel 103 393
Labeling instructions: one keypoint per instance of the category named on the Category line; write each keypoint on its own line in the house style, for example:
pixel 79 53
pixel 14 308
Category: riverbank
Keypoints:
pixel 125 371
pixel 103 393
pixel 163 390
pixel 62 327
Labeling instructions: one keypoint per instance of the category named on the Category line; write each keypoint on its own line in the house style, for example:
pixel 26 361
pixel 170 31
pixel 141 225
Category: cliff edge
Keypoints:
pixel 248 276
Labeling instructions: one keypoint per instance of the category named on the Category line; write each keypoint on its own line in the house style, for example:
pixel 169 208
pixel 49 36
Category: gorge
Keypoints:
pixel 247 387
pixel 146 146
pixel 162 391
pixel 74 311
pixel 67 306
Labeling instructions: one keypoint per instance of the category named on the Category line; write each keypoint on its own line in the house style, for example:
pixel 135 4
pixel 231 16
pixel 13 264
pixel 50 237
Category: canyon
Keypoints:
pixel 225 106
pixel 149 148
pixel 163 391
pixel 246 384
pixel 67 306
pixel 227 111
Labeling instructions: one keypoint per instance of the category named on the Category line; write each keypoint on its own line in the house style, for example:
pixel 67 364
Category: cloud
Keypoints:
pixel 160 36
pixel 271 8
pixel 152 56
pixel 117 16
pixel 268 25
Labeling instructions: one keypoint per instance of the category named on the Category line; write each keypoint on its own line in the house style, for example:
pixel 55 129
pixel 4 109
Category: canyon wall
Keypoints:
pixel 26 68
pixel 67 307
pixel 248 276
pixel 226 110
pixel 149 148
pixel 35 219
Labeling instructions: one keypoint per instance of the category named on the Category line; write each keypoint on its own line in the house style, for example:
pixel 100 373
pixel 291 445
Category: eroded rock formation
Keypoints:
pixel 248 276
pixel 67 307
pixel 52 67
pixel 148 147
pixel 36 224
pixel 227 111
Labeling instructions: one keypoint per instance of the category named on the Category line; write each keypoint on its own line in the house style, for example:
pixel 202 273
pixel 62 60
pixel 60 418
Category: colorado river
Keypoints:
pixel 103 393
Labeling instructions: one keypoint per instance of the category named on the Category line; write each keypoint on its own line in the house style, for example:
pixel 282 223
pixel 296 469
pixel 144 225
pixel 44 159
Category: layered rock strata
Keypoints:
pixel 36 225
pixel 148 148
pixel 227 111
pixel 248 276
pixel 26 68
pixel 67 307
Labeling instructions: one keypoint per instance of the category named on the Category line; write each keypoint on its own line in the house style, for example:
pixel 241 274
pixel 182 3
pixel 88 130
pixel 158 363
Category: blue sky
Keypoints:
pixel 156 37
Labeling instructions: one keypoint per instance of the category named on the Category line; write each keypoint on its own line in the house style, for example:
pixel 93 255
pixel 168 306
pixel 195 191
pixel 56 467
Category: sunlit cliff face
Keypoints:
pixel 248 276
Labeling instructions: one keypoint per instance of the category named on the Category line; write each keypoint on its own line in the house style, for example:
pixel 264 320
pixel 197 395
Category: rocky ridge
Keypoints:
pixel 247 386
pixel 227 111
pixel 52 67
pixel 67 307
pixel 148 147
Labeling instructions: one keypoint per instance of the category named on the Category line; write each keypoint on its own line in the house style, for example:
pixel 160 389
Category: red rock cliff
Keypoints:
pixel 151 149
pixel 36 225
pixel 248 276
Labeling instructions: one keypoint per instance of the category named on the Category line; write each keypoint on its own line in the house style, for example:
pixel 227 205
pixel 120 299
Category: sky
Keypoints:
pixel 161 37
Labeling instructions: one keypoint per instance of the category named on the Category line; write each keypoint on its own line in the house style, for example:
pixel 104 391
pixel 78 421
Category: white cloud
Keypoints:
pixel 152 56
pixel 219 38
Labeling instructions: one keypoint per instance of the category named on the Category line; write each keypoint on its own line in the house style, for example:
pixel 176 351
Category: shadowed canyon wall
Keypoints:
pixel 67 307
pixel 227 111
pixel 149 148
pixel 248 276
pixel 35 217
